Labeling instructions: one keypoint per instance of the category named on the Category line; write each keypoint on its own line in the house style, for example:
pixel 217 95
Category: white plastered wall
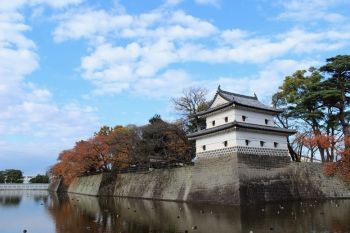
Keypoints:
pixel 219 118
pixel 216 141
pixel 238 138
pixel 218 101
pixel 255 138
pixel 254 117
pixel 236 115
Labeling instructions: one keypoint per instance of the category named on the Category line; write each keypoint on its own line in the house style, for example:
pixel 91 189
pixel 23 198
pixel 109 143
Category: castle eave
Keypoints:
pixel 240 125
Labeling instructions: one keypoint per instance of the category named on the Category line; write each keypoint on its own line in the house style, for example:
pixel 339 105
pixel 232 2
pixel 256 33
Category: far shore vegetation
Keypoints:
pixel 15 176
pixel 316 102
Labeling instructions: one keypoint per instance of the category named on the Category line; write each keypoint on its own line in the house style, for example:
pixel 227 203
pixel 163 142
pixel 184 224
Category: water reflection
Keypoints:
pixel 78 213
pixel 134 215
pixel 9 201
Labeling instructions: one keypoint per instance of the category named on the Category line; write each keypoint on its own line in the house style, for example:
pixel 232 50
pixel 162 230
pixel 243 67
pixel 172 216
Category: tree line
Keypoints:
pixel 113 149
pixel 11 176
pixel 16 176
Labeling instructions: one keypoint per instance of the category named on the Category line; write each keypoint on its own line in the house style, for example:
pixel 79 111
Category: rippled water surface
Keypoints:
pixel 43 212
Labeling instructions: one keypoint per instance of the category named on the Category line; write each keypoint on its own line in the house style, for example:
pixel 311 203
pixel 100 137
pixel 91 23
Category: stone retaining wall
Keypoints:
pixel 272 178
pixel 55 184
pixel 211 180
pixel 235 178
pixel 89 185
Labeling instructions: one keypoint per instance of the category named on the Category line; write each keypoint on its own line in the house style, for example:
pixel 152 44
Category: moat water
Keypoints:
pixel 43 212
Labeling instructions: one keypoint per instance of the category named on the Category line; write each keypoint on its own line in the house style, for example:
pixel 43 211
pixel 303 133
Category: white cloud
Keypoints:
pixel 234 36
pixel 32 124
pixel 12 5
pixel 261 49
pixel 169 83
pixel 173 25
pixel 208 2
pixel 312 10
pixel 113 69
pixel 154 42
pixel 267 81
pixel 17 56
pixel 89 24
pixel 172 2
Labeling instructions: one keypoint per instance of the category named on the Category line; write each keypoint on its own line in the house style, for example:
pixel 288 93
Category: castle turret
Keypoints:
pixel 240 123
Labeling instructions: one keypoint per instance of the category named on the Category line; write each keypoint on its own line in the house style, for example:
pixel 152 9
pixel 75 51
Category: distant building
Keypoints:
pixel 239 123
pixel 26 179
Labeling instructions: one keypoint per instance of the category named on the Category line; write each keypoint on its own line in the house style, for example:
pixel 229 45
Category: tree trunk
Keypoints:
pixel 344 124
pixel 292 153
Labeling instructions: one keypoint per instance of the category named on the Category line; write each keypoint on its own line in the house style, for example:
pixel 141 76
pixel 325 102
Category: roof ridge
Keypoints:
pixel 239 95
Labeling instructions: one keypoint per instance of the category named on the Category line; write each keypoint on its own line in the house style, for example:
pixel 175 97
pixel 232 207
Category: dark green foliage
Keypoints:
pixel 316 103
pixel 164 140
pixel 104 131
pixel 11 176
pixel 2 177
pixel 43 179
pixel 156 118
pixel 337 70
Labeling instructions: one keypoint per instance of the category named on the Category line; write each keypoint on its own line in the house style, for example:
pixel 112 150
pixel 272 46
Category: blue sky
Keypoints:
pixel 68 67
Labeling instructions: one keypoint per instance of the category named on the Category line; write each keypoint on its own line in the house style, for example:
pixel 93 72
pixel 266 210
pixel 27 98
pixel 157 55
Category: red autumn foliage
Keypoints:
pixel 112 149
pixel 342 166
pixel 322 140
pixel 101 153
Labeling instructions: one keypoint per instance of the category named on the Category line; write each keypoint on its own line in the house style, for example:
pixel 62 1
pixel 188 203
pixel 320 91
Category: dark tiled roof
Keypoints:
pixel 241 125
pixel 213 109
pixel 241 100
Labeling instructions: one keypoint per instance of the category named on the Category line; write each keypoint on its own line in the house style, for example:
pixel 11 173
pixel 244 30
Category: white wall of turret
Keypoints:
pixel 239 115
pixel 241 138
pixel 216 141
pixel 218 101
pixel 261 140
pixel 219 118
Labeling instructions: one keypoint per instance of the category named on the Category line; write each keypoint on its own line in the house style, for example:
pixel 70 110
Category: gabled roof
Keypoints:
pixel 243 125
pixel 240 100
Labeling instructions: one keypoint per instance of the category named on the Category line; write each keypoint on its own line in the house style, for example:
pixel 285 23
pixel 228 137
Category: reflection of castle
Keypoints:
pixel 239 123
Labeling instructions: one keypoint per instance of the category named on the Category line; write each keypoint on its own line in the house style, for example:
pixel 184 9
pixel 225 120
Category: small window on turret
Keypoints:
pixel 247 142
pixel 275 144
pixel 226 119
pixel 204 147
pixel 225 143
pixel 244 118
pixel 266 121
pixel 262 143
pixel 213 123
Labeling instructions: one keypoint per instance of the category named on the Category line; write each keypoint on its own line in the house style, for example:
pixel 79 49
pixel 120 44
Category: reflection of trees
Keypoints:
pixel 78 213
pixel 10 200
pixel 14 197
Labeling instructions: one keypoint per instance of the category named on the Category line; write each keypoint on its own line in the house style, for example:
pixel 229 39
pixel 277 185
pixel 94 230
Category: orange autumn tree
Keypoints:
pixel 122 147
pixel 112 149
pixel 342 166
pixel 313 141
pixel 68 166
pixel 107 150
